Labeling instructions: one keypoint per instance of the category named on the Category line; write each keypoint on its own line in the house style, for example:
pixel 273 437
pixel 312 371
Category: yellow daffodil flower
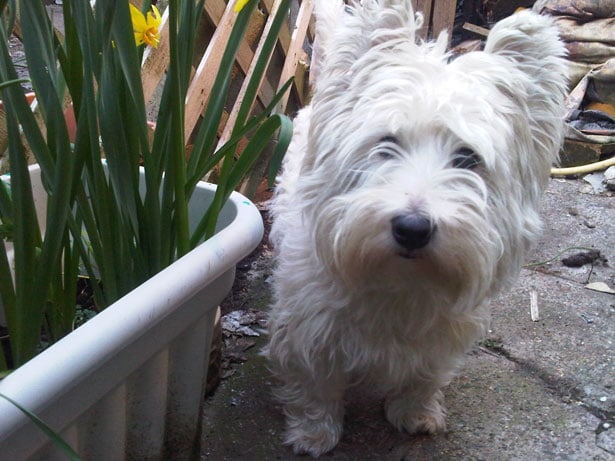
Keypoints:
pixel 240 4
pixel 146 26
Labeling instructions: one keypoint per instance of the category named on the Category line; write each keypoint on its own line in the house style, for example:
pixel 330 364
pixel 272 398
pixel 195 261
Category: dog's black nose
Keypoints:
pixel 412 231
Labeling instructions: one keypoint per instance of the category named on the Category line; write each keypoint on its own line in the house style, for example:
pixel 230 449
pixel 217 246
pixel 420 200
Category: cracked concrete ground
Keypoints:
pixel 533 390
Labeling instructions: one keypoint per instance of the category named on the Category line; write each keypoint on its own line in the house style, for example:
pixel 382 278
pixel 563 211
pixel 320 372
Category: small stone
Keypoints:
pixel 609 178
pixel 606 441
pixel 597 182
pixel 586 189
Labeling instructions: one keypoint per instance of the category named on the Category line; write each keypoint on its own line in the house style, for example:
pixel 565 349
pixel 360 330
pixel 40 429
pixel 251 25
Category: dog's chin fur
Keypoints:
pixel 388 117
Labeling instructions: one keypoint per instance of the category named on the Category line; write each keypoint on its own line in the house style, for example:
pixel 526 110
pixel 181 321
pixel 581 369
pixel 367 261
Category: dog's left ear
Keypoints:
pixel 531 43
pixel 535 77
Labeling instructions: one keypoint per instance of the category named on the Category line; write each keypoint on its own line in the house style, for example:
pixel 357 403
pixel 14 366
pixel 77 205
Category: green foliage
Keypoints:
pixel 97 216
pixel 55 437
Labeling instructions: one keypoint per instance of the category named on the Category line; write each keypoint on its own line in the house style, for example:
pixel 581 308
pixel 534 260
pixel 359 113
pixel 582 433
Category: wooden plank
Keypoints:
pixel 301 79
pixel 215 11
pixel 478 30
pixel 424 7
pixel 311 32
pixel 156 60
pixel 443 17
pixel 296 48
pixel 284 37
pixel 242 92
pixel 202 83
pixel 222 16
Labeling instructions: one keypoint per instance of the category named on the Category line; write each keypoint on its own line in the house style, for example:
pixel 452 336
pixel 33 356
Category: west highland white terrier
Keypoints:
pixel 409 197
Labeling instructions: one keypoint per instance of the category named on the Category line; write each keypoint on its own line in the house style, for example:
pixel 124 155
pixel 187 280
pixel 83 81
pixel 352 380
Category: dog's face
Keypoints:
pixel 424 169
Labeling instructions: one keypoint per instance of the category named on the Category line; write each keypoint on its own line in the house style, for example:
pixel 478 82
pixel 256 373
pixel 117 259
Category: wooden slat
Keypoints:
pixel 443 17
pixel 223 17
pixel 296 48
pixel 156 60
pixel 233 115
pixel 478 30
pixel 284 37
pixel 425 7
pixel 311 31
pixel 202 83
pixel 301 78
pixel 215 11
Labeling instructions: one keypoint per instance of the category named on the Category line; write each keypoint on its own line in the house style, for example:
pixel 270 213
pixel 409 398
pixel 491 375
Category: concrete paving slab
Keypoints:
pixel 533 390
pixel 496 411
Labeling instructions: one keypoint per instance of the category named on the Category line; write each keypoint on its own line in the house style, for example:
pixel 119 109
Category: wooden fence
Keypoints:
pixel 291 58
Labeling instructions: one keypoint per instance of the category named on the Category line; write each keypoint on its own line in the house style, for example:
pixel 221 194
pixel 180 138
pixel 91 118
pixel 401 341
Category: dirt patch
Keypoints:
pixel 251 288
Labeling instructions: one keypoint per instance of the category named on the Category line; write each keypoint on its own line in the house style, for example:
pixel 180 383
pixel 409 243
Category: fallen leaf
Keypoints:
pixel 601 287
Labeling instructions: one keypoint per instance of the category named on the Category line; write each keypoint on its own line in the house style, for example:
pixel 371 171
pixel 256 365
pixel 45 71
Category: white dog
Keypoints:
pixel 409 196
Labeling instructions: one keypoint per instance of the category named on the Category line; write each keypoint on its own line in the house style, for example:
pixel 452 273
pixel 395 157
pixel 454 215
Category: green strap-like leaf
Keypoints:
pixel 57 440
pixel 255 121
pixel 262 61
pixel 258 142
pixel 284 137
pixel 206 136
pixel 16 81
pixel 7 290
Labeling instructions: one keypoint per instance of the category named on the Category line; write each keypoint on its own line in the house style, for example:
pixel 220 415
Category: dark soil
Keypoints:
pixel 251 294
pixel 249 269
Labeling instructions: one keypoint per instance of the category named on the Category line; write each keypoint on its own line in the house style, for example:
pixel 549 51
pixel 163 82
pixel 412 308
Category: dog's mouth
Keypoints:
pixel 410 254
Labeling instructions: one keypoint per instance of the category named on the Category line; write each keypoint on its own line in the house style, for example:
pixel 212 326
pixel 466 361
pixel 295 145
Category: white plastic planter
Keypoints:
pixel 129 383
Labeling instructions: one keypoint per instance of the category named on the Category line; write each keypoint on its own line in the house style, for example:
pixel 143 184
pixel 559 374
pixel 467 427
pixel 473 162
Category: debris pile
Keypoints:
pixel 588 29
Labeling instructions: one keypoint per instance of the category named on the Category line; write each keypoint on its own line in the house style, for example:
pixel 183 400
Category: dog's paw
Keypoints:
pixel 313 437
pixel 428 418
pixel 425 423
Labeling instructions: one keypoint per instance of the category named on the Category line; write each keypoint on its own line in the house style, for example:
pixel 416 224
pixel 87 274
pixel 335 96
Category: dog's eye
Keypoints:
pixel 465 158
pixel 387 147
pixel 386 153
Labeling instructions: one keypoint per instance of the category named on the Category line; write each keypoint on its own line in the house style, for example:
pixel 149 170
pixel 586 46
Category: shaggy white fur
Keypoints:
pixel 408 197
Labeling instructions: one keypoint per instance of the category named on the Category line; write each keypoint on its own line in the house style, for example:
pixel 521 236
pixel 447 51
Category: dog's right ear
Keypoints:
pixel 345 32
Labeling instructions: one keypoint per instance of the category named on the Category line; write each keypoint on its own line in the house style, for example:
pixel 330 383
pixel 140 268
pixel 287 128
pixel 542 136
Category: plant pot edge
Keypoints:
pixel 58 370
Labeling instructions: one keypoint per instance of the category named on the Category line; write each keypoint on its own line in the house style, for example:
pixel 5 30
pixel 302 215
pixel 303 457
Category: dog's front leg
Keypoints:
pixel 314 410
pixel 418 408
